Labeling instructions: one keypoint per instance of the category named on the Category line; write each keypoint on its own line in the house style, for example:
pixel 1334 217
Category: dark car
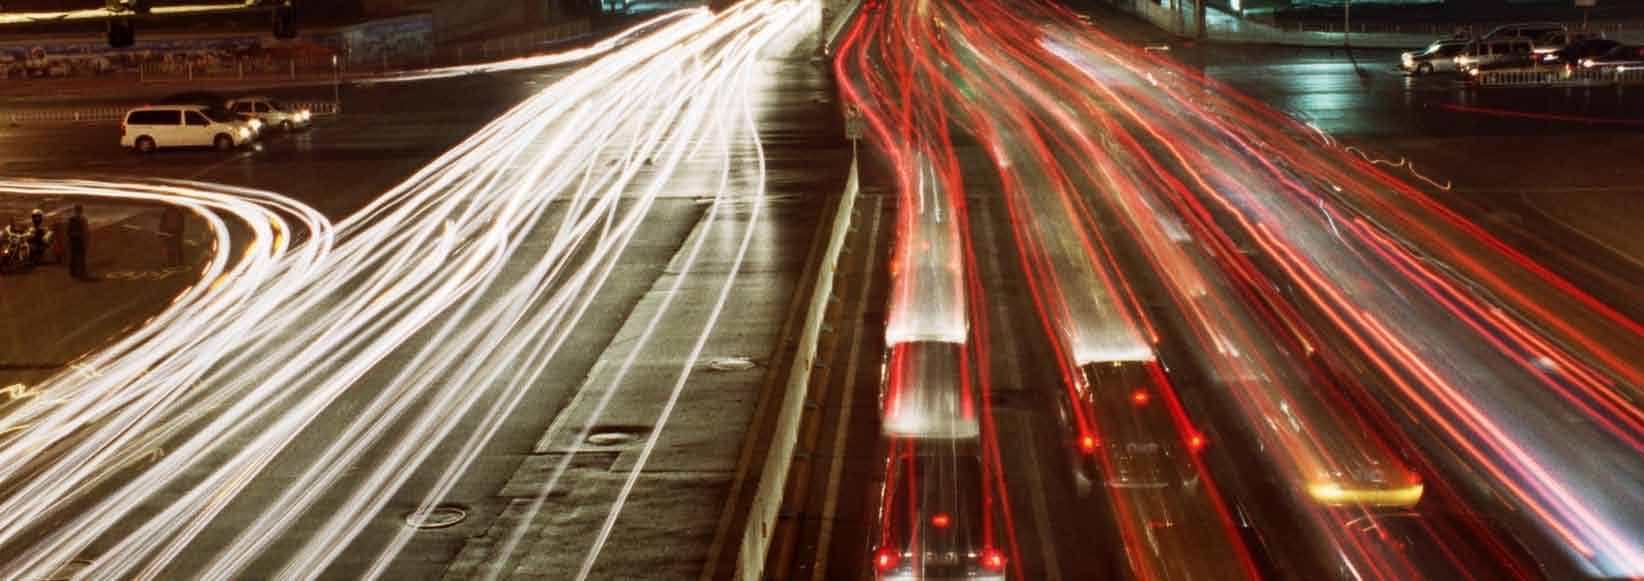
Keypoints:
pixel 1618 58
pixel 1580 50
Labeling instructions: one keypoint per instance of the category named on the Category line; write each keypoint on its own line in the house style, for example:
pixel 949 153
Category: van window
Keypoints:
pixel 196 119
pixel 242 107
pixel 153 117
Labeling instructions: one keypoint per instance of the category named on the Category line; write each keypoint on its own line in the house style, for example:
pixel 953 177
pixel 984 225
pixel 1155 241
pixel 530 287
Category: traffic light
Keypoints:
pixel 121 32
pixel 285 21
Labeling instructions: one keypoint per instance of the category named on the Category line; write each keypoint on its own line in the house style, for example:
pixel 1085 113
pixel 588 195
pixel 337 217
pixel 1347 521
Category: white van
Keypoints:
pixel 1494 53
pixel 148 128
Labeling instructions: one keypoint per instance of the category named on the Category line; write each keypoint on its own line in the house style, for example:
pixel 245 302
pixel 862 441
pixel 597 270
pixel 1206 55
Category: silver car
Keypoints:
pixel 1439 57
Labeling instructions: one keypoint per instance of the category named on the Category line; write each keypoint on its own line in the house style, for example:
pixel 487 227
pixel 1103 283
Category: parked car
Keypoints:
pixel 1579 51
pixel 1439 57
pixel 1620 58
pixel 1495 52
pixel 151 127
pixel 273 113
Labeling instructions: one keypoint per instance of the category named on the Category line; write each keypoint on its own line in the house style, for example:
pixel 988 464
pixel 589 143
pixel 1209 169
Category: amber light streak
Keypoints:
pixel 1468 331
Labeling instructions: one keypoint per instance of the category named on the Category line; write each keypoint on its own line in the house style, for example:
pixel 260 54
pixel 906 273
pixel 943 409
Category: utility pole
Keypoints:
pixel 1203 26
pixel 1347 24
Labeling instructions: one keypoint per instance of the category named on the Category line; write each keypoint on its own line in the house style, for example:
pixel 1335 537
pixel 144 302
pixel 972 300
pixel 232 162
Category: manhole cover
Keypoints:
pixel 440 517
pixel 611 438
pixel 731 364
pixel 68 571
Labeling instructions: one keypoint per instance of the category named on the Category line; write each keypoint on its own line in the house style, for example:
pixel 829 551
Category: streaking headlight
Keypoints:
pixel 256 124
pixel 245 132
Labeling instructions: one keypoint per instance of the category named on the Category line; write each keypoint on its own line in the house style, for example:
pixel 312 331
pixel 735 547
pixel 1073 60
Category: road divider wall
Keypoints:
pixel 767 497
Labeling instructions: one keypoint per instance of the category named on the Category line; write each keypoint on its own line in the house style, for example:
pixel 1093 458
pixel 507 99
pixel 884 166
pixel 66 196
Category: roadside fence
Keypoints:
pixel 1557 77
pixel 116 113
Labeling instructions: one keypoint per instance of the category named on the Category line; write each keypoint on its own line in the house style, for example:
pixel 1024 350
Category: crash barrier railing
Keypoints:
pixel 1558 77
pixel 114 114
pixel 773 477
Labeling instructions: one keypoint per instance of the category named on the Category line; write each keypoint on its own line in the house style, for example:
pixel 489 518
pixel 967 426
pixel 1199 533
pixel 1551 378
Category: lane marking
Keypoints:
pixel 830 502
pixel 1624 256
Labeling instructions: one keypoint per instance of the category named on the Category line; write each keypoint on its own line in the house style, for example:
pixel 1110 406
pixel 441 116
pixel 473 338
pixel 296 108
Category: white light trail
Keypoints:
pixel 449 294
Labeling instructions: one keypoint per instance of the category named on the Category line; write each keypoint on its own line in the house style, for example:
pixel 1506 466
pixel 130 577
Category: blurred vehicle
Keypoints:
pixel 151 127
pixel 926 391
pixel 935 515
pixel 1439 57
pixel 1576 52
pixel 1498 52
pixel 1136 436
pixel 273 113
pixel 1620 58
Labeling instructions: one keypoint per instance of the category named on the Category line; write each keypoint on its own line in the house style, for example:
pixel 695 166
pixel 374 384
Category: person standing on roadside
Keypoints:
pixel 77 233
pixel 171 228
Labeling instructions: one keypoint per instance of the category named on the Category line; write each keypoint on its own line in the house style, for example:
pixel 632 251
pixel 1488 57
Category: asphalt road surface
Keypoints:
pixel 610 456
pixel 881 501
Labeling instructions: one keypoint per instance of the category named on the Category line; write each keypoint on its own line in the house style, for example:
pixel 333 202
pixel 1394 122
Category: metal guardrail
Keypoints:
pixel 113 114
pixel 1557 77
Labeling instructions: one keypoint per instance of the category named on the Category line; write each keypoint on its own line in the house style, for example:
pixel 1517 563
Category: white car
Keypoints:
pixel 273 113
pixel 149 128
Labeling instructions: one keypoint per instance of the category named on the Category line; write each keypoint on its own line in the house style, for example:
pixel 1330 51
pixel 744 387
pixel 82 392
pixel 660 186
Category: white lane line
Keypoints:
pixel 1623 255
pixel 830 503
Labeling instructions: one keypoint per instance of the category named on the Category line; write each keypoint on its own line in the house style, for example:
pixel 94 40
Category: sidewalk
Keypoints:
pixel 48 319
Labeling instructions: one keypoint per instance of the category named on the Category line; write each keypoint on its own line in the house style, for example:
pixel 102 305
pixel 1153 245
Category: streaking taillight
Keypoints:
pixel 886 559
pixel 941 520
pixel 993 560
pixel 1087 443
pixel 1195 442
pixel 1139 397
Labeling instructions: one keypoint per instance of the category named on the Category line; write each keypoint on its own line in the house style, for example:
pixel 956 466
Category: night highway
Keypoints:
pixel 1097 302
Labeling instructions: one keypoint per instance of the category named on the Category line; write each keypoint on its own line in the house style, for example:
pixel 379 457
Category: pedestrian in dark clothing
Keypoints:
pixel 171 228
pixel 37 237
pixel 78 230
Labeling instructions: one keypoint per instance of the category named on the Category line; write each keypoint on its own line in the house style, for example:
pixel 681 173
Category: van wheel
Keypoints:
pixel 145 144
pixel 223 142
pixel 1424 69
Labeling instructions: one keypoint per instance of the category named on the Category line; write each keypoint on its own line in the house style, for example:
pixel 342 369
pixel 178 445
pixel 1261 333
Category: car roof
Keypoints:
pixel 171 107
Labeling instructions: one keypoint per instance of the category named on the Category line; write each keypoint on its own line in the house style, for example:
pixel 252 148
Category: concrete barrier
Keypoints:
pixel 836 21
pixel 773 478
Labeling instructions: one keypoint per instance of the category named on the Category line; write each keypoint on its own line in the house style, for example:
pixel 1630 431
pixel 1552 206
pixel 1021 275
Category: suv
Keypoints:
pixel 1494 53
pixel 272 113
pixel 148 128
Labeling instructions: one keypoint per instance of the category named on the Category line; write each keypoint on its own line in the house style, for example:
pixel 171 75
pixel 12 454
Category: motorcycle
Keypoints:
pixel 19 250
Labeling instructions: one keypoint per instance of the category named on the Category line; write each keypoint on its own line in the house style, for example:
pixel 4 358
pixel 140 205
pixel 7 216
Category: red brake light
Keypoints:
pixel 941 520
pixel 1195 442
pixel 1139 397
pixel 993 560
pixel 1087 443
pixel 886 559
